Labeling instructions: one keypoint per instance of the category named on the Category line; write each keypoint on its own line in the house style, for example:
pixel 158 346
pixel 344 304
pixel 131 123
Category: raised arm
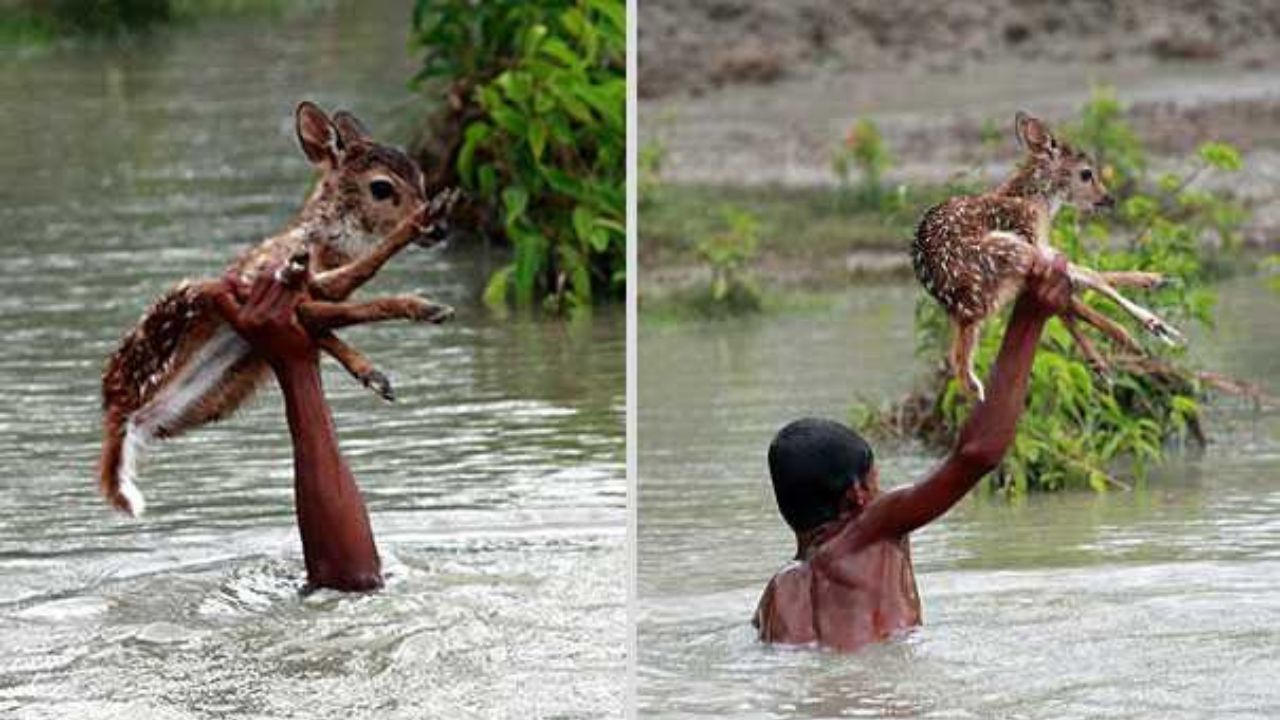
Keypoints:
pixel 337 542
pixel 985 437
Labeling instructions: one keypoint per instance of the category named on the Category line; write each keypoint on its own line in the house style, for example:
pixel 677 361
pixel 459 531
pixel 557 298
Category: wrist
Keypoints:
pixel 1028 310
pixel 293 371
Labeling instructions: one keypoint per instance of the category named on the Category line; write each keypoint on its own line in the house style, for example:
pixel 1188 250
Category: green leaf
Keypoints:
pixel 514 200
pixel 1221 156
pixel 583 223
pixel 537 137
pixel 476 134
pixel 495 292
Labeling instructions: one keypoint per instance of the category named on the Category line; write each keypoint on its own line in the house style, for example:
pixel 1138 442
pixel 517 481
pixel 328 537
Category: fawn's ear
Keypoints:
pixel 1034 135
pixel 317 135
pixel 350 129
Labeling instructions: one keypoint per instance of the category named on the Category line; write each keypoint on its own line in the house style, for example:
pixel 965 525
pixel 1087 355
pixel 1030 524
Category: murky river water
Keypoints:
pixel 495 485
pixel 1163 602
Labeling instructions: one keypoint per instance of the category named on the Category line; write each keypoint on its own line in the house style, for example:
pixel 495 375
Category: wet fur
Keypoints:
pixel 181 366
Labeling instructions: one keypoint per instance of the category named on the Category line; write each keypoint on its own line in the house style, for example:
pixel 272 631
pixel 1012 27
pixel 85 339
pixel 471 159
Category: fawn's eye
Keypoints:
pixel 381 189
pixel 1086 175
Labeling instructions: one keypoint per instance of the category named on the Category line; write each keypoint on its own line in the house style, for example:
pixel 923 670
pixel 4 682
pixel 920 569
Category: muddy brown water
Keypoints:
pixel 496 484
pixel 1161 602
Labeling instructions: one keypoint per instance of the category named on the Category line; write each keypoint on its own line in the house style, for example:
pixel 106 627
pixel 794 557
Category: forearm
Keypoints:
pixel 990 429
pixel 337 541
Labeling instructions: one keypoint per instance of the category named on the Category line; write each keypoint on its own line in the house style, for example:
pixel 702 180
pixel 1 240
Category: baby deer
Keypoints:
pixel 972 253
pixel 181 366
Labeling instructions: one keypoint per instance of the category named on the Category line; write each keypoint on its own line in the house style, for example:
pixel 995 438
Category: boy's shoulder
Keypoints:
pixel 785 612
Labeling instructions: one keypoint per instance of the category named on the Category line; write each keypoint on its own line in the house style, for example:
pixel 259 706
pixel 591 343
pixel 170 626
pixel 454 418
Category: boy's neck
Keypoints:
pixel 808 541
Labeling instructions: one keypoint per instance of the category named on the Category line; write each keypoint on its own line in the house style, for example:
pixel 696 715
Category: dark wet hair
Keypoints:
pixel 813 462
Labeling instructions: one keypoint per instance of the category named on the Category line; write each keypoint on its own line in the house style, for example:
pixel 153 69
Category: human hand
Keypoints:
pixel 265 314
pixel 1047 290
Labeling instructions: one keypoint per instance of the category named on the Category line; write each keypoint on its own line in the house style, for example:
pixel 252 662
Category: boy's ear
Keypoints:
pixel 857 495
pixel 861 494
pixel 318 135
pixel 1034 135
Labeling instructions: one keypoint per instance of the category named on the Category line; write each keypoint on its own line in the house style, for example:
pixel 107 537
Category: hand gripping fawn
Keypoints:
pixel 972 253
pixel 181 366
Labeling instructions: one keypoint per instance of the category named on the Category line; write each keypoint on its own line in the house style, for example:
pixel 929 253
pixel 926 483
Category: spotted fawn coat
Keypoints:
pixel 181 366
pixel 972 253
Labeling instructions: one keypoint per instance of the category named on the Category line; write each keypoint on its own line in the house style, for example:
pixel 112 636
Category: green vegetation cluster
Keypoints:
pixel 41 21
pixel 536 113
pixel 1080 430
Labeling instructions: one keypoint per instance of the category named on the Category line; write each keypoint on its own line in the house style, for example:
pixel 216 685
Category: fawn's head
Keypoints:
pixel 1057 171
pixel 367 188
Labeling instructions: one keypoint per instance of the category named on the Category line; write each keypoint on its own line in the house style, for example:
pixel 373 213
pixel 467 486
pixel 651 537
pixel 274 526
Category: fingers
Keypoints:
pixel 273 292
pixel 263 282
pixel 231 279
pixel 228 306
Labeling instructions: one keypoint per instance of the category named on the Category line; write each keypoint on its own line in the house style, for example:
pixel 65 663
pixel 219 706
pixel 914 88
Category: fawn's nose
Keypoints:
pixel 1107 201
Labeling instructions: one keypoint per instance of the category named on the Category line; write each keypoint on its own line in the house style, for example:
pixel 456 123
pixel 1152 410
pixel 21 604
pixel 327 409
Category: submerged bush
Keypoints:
pixel 728 253
pixel 535 130
pixel 1080 430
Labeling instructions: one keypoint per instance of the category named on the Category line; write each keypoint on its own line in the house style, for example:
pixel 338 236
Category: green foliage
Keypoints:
pixel 34 22
pixel 649 166
pixel 728 252
pixel 541 90
pixel 1079 430
pixel 863 148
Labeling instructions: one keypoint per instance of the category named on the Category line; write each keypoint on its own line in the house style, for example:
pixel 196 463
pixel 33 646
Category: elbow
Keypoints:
pixel 980 457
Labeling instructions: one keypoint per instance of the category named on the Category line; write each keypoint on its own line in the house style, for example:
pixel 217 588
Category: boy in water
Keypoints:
pixel 851 582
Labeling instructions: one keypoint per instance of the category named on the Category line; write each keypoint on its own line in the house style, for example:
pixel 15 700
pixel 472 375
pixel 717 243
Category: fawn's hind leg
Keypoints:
pixel 963 341
pixel 356 364
pixel 1084 277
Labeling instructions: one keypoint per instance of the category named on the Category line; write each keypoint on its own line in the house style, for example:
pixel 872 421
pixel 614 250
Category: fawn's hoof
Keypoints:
pixel 1102 373
pixel 974 388
pixel 432 312
pixel 380 384
pixel 1166 332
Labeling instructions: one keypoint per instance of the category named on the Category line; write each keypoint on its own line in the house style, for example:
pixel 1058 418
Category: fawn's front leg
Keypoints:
pixel 340 282
pixel 1133 278
pixel 1084 277
pixel 1106 325
pixel 319 315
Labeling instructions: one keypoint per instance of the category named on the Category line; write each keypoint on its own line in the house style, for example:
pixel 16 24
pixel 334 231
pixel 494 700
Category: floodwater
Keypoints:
pixel 1160 602
pixel 495 483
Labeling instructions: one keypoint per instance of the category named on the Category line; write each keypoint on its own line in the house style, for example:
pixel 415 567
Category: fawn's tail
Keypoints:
pixel 117 466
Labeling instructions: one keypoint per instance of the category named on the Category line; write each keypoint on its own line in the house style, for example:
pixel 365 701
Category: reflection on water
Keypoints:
pixel 1163 602
pixel 495 483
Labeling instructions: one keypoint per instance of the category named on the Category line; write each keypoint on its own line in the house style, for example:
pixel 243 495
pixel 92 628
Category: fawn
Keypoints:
pixel 972 253
pixel 181 366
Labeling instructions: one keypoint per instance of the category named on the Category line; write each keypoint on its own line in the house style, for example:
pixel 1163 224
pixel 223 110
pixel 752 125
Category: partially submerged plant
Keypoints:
pixel 1080 430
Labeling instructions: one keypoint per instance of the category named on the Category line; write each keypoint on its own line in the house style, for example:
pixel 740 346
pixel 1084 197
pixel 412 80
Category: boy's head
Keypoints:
pixel 821 470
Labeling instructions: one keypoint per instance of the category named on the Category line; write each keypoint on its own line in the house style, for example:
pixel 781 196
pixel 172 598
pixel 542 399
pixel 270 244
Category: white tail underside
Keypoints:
pixel 210 363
